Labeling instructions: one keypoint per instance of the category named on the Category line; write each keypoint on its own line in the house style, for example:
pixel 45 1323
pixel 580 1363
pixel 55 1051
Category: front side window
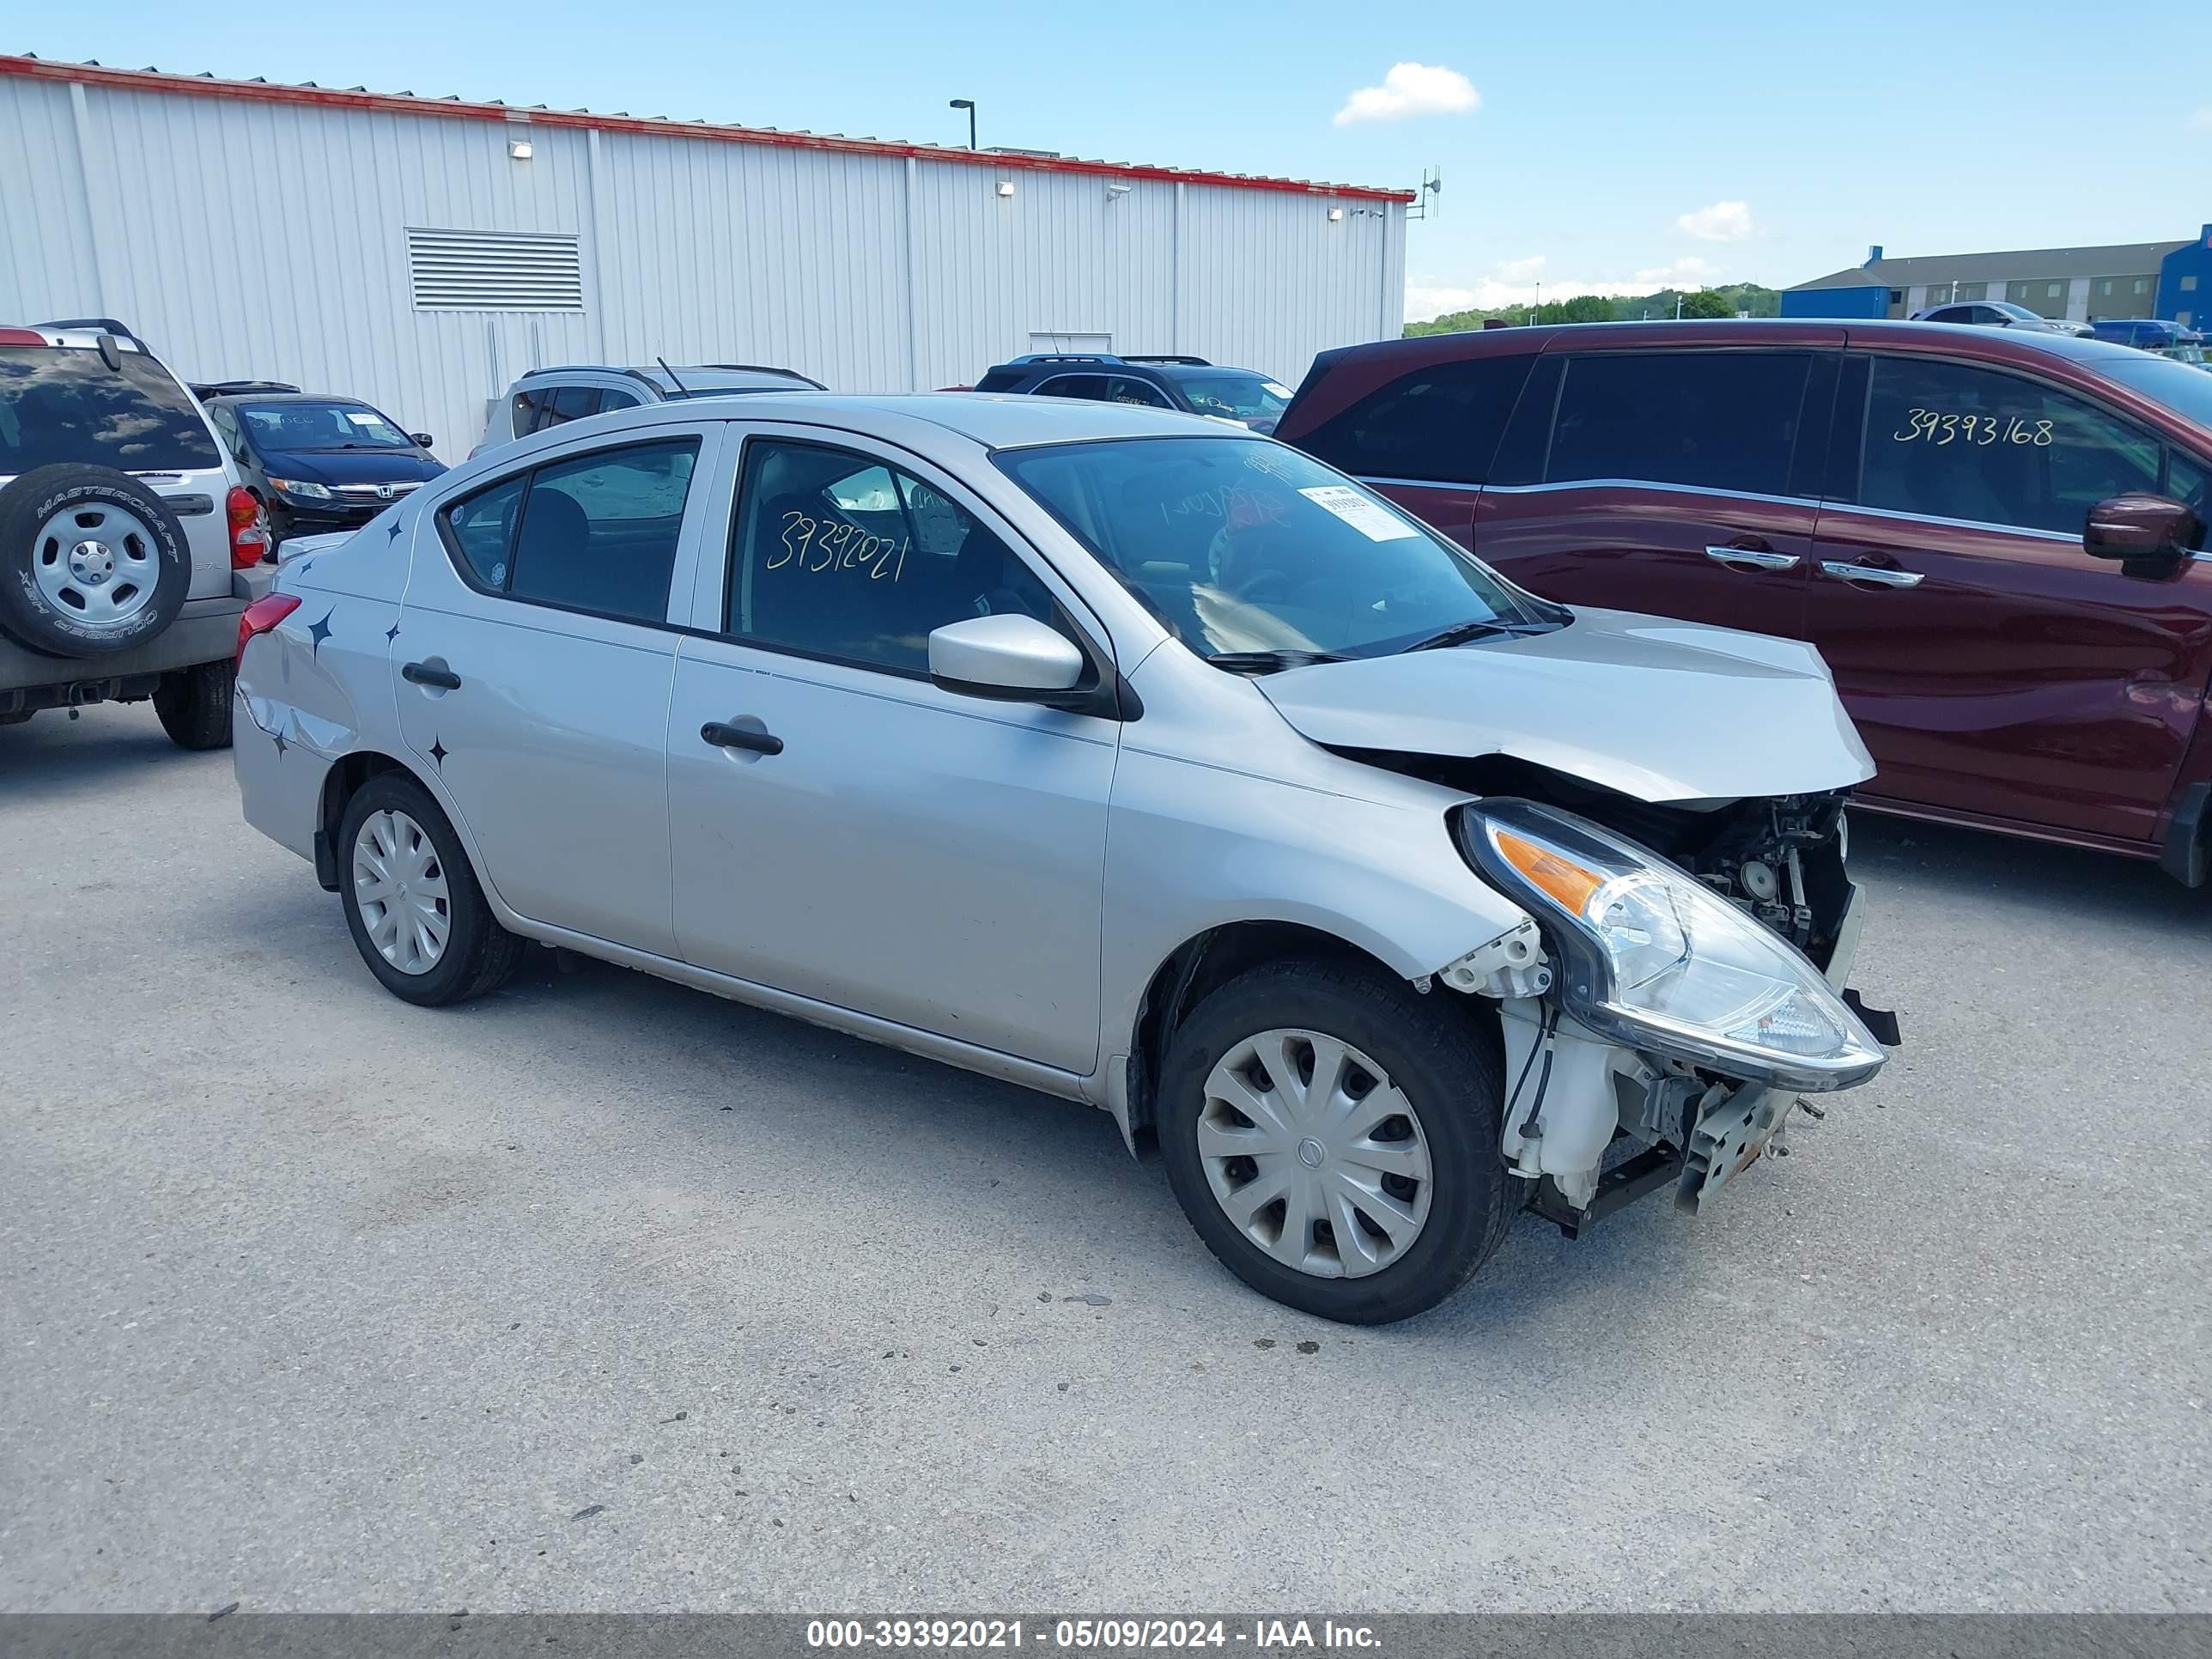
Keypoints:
pixel 63 403
pixel 1121 389
pixel 1952 440
pixel 1439 422
pixel 1242 546
pixel 839 556
pixel 595 532
pixel 1714 420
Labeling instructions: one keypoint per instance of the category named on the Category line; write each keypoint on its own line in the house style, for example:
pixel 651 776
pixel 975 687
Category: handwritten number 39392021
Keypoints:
pixel 1939 429
pixel 809 543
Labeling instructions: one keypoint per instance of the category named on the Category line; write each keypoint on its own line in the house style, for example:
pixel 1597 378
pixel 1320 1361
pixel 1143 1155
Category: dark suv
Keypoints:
pixel 1995 537
pixel 1190 384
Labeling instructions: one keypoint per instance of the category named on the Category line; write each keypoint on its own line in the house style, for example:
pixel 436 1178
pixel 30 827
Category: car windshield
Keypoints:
pixel 296 426
pixel 1256 556
pixel 2182 387
pixel 1236 397
pixel 63 403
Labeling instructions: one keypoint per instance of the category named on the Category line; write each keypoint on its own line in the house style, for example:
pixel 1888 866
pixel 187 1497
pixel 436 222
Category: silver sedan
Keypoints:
pixel 1120 754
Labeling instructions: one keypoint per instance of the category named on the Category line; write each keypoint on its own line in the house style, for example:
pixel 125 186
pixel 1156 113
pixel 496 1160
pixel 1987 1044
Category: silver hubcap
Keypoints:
pixel 1315 1154
pixel 96 564
pixel 399 884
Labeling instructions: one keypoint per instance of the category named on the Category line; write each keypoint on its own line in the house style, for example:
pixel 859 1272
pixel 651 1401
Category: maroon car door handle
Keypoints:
pixel 1752 558
pixel 1873 576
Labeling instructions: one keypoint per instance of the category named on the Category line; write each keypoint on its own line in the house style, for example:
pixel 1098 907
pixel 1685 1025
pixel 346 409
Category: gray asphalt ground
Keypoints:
pixel 606 1294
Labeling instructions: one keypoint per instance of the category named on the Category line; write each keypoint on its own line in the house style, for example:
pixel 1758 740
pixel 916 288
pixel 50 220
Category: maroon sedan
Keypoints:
pixel 1995 538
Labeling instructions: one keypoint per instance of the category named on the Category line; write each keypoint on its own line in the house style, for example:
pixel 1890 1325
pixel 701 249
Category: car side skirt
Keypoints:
pixel 968 1056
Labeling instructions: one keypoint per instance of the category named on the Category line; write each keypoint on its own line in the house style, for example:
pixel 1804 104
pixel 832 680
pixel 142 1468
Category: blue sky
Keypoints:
pixel 1608 147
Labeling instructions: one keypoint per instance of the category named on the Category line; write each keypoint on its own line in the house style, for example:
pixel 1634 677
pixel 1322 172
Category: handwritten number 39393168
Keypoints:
pixel 1938 428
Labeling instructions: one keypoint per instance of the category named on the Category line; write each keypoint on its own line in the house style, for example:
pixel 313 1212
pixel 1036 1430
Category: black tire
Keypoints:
pixel 479 953
pixel 194 705
pixel 1432 1052
pixel 28 506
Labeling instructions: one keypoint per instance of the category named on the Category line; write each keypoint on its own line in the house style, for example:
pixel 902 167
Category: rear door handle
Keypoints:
pixel 1751 558
pixel 423 674
pixel 1879 576
pixel 740 737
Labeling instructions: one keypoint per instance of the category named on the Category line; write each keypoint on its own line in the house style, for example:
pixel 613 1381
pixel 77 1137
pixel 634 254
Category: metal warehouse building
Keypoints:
pixel 422 252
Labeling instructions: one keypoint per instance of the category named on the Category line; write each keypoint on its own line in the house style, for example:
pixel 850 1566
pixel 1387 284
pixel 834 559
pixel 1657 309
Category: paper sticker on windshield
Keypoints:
pixel 1368 517
pixel 360 417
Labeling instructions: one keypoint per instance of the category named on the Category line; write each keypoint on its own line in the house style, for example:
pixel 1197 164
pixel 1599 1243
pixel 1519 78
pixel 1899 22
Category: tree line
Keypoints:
pixel 1726 301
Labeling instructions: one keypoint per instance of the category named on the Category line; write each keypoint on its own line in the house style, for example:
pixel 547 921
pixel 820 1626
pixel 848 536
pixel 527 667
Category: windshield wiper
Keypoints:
pixel 1268 662
pixel 1487 628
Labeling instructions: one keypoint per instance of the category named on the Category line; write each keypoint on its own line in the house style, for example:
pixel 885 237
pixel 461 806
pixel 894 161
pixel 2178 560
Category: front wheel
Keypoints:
pixel 416 913
pixel 1332 1136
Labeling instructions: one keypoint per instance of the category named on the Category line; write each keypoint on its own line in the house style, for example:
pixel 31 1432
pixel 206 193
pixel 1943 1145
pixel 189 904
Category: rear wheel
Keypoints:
pixel 1332 1136
pixel 417 915
pixel 194 705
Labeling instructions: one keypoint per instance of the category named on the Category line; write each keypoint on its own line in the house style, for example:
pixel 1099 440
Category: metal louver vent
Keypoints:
pixel 493 270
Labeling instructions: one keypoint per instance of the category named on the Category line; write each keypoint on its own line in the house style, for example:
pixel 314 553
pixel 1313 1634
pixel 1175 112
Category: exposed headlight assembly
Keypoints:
pixel 1658 961
pixel 304 488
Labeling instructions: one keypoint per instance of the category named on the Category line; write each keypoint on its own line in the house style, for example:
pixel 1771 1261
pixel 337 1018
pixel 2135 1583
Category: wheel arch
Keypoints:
pixel 1201 964
pixel 340 783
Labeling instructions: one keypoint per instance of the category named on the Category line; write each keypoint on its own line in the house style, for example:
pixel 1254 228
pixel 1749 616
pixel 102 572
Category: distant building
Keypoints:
pixel 2172 280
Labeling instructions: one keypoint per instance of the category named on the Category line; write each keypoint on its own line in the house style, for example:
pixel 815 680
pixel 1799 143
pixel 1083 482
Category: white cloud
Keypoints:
pixel 1723 221
pixel 1688 272
pixel 2202 120
pixel 1411 89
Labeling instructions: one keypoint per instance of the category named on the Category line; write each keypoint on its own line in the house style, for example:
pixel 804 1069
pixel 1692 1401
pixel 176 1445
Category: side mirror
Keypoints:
pixel 1009 658
pixel 420 439
pixel 2147 533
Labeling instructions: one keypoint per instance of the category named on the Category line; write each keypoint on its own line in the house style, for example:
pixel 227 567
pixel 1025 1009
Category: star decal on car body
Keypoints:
pixel 391 633
pixel 319 632
pixel 281 744
pixel 439 751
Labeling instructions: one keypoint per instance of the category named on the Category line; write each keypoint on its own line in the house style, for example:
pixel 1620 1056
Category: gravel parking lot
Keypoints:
pixel 605 1294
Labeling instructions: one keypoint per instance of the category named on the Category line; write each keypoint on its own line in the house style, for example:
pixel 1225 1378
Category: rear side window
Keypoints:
pixel 1953 441
pixel 552 406
pixel 596 532
pixel 63 403
pixel 1092 386
pixel 1439 422
pixel 1712 420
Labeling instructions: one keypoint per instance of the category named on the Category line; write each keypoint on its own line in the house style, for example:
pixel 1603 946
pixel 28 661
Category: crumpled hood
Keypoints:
pixel 1658 710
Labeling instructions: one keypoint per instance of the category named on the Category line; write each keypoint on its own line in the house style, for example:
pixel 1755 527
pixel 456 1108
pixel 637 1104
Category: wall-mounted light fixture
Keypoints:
pixel 1334 214
pixel 1005 187
pixel 1117 191
pixel 520 149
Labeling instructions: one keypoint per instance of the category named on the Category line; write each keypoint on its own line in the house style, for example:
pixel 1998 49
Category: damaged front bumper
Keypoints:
pixel 1596 1124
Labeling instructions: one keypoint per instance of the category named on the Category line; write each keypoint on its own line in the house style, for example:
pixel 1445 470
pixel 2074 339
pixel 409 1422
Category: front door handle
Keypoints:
pixel 421 673
pixel 1879 576
pixel 1752 558
pixel 724 736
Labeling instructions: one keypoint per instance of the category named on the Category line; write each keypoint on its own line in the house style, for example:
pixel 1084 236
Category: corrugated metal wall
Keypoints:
pixel 246 237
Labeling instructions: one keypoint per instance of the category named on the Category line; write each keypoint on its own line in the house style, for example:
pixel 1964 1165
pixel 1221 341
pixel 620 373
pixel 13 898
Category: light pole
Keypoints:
pixel 967 104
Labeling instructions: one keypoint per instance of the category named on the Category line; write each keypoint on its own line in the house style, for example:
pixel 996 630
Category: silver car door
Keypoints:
pixel 534 655
pixel 852 833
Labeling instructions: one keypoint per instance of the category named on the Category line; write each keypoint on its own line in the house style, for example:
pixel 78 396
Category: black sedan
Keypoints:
pixel 318 463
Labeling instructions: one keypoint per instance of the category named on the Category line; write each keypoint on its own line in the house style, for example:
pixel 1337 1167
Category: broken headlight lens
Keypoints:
pixel 1658 961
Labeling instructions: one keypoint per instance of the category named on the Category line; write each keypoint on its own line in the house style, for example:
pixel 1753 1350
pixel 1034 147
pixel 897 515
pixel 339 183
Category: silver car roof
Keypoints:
pixel 994 422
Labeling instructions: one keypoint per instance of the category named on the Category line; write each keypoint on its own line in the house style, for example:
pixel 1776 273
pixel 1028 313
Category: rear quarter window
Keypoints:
pixel 1440 423
pixel 63 403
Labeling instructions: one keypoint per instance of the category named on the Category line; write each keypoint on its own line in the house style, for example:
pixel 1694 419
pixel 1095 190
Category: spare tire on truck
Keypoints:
pixel 92 562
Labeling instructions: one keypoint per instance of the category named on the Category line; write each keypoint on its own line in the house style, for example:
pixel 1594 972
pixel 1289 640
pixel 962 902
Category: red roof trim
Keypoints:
pixel 39 69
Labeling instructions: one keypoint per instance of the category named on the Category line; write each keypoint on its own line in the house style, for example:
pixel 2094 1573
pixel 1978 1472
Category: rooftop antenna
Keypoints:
pixel 1432 184
pixel 671 373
